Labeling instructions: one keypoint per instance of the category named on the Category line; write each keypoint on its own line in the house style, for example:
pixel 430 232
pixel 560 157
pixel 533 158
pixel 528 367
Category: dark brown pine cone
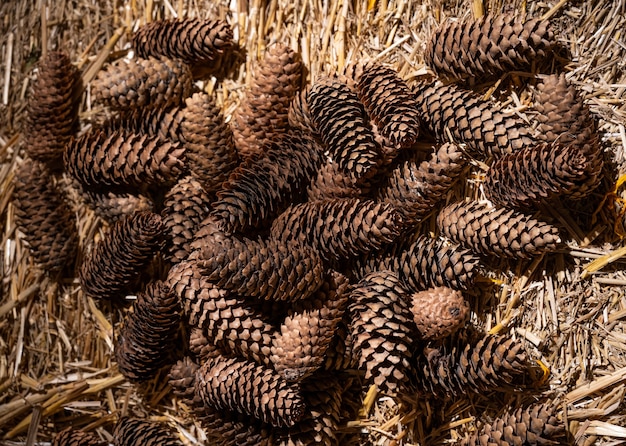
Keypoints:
pixel 165 123
pixel 488 46
pixel 390 103
pixel 121 256
pixel 134 431
pixel 72 437
pixel 143 83
pixel 124 160
pixel 52 110
pixel 185 206
pixel 383 330
pixel 470 120
pixel 340 120
pixel 147 337
pixel 496 232
pixel 339 228
pixel 209 141
pixel 45 219
pixel 249 388
pixel 332 182
pixel 263 186
pixel 262 116
pixel 299 115
pixel 112 206
pixel 194 41
pixel 209 234
pixel 534 425
pixel 439 312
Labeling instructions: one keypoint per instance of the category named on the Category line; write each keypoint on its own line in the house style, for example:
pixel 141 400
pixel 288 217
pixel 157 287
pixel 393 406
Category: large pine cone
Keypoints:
pixel 45 219
pixel 72 437
pixel 134 431
pixel 119 259
pixel 496 232
pixel 332 182
pixel 470 119
pixel 299 115
pixel 488 46
pixel 438 312
pixel 111 206
pixel 166 123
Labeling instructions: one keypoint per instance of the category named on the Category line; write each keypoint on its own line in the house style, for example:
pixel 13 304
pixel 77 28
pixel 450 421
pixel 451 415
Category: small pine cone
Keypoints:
pixel 185 206
pixel 332 182
pixel 299 115
pixel 245 387
pixel 72 437
pixel 209 141
pixel 262 187
pixel 488 46
pixel 194 41
pixel 52 109
pixel 119 259
pixel 134 431
pixel 340 121
pixel 439 312
pixel 534 425
pixel 123 160
pixel 390 103
pixel 201 346
pixel 262 116
pixel 339 228
pixel 45 219
pixel 471 120
pixel 210 235
pixel 146 339
pixel 165 123
pixel 112 206
pixel 496 232
pixel 383 329
pixel 143 83
pixel 182 379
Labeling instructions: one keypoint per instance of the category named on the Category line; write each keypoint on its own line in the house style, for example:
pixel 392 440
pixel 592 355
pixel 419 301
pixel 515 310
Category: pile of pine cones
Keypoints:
pixel 287 242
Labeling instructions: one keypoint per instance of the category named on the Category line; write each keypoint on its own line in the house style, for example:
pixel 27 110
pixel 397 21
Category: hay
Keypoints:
pixel 56 344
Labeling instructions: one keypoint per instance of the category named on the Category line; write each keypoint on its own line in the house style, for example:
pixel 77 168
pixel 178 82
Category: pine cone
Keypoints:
pixel 498 232
pixel 133 431
pixel 299 115
pixel 182 379
pixel 340 354
pixel 165 123
pixel 383 330
pixel 72 437
pixel 488 46
pixel 390 103
pixel 332 182
pixel 438 312
pixel 52 109
pixel 470 119
pixel 209 234
pixel 245 387
pixel 118 260
pixel 123 160
pixel 143 83
pixel 45 219
pixel 147 337
pixel 209 141
pixel 340 120
pixel 112 206
pixel 194 41
pixel 200 346
pixel 262 116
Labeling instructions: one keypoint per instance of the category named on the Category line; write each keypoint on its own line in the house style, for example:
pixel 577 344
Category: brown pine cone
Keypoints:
pixel 390 103
pixel 496 232
pixel 439 312
pixel 332 182
pixel 262 116
pixel 147 337
pixel 470 119
pixel 45 219
pixel 52 109
pixel 123 160
pixel 143 83
pixel 112 206
pixel 120 257
pixel 165 123
pixel 72 437
pixel 200 346
pixel 194 41
pixel 488 46
pixel 340 120
pixel 299 115
pixel 134 431
pixel 182 379
pixel 209 234
pixel 209 141
pixel 249 388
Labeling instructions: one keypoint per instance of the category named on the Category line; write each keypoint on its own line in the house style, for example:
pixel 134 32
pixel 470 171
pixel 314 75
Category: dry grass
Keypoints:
pixel 56 344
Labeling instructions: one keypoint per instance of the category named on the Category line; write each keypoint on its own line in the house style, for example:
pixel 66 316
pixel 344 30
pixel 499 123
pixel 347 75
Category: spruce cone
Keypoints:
pixel 200 346
pixel 133 431
pixel 52 110
pixel 245 387
pixel 111 206
pixel 438 312
pixel 72 437
pixel 332 182
pixel 123 160
pixel 209 141
pixel 118 260
pixel 143 83
pixel 488 46
pixel 45 219
pixel 182 380
pixel 470 119
pixel 390 103
pixel 146 339
pixel 193 41
pixel 299 115
pixel 340 120
pixel 165 123
pixel 209 234
pixel 262 116
pixel 340 354
pixel 498 232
